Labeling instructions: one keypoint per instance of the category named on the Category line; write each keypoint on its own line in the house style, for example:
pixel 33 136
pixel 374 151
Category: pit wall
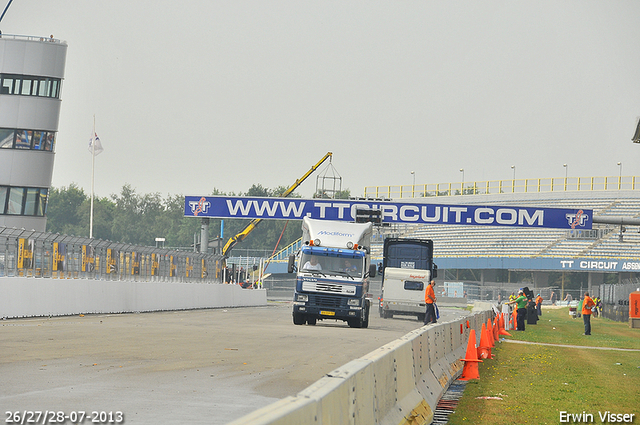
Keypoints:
pixel 399 383
pixel 32 297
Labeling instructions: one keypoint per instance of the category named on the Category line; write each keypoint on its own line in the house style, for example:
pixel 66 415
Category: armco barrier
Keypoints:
pixel 399 383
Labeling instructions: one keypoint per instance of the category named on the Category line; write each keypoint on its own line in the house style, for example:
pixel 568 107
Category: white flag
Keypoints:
pixel 94 145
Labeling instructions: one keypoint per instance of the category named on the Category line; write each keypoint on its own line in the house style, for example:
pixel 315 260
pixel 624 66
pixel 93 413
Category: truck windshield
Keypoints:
pixel 351 267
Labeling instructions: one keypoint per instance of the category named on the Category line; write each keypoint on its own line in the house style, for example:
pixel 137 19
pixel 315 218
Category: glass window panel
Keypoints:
pixel 7 85
pixel 6 138
pixel 3 198
pixel 16 85
pixel 42 202
pixel 26 87
pixel 413 285
pixel 54 88
pixel 43 88
pixel 23 139
pixel 14 207
pixel 31 201
pixel 34 87
pixel 38 139
pixel 48 144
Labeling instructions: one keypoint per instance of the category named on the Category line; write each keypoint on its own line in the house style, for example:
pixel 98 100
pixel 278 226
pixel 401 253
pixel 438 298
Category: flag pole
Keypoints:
pixel 93 163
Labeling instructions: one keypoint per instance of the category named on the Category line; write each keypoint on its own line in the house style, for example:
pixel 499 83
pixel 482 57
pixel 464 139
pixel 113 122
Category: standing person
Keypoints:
pixel 430 299
pixel 521 304
pixel 587 303
pixel 539 305
pixel 553 298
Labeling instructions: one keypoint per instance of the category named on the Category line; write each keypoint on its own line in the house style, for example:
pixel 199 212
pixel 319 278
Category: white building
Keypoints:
pixel 31 74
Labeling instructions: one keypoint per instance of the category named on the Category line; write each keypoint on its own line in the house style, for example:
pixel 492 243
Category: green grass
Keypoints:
pixel 537 382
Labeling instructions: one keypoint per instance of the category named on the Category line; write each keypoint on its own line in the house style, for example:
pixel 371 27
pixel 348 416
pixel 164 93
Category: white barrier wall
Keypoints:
pixel 31 297
pixel 399 383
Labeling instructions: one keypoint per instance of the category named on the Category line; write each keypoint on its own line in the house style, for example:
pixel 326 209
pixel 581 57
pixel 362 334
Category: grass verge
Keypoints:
pixel 537 382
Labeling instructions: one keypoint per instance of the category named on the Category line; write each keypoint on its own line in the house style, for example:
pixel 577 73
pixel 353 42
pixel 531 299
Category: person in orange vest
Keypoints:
pixel 539 305
pixel 587 303
pixel 430 299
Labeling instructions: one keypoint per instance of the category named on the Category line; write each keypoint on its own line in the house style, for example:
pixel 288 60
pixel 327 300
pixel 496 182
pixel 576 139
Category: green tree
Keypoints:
pixel 63 210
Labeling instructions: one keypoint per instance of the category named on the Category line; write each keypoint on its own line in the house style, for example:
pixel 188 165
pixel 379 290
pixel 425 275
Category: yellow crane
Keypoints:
pixel 252 225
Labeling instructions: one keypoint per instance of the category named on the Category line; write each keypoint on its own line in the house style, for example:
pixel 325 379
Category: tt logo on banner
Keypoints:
pixel 200 206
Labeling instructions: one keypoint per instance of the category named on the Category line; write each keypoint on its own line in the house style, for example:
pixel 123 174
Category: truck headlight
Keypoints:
pixel 302 297
pixel 353 301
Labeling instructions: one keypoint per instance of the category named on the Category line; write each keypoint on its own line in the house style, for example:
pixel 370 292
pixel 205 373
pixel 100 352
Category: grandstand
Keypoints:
pixel 486 250
pixel 459 241
pixel 604 241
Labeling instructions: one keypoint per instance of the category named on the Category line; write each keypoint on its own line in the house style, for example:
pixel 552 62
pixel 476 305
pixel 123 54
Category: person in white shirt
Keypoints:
pixel 312 264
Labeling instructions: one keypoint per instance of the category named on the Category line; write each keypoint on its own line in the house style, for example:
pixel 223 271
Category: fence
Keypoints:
pixel 28 253
pixel 555 184
pixel 615 299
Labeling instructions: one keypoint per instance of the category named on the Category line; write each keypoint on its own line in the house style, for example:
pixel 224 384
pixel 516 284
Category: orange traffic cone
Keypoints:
pixel 514 319
pixel 490 333
pixel 470 370
pixel 484 350
pixel 503 331
pixel 496 327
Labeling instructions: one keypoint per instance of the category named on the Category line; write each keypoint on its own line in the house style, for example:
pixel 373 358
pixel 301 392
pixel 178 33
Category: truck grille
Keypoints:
pixel 327 301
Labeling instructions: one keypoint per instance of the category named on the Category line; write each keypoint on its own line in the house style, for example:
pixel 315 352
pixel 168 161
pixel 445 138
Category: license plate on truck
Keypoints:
pixel 328 313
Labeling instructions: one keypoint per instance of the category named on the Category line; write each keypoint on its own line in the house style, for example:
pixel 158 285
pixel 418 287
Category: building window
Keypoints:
pixel 27 85
pixel 42 202
pixel 23 139
pixel 27 139
pixel 16 196
pixel 29 201
pixel 6 138
pixel 3 198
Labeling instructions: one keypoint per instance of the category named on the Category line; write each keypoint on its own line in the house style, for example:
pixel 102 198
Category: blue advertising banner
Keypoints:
pixel 392 212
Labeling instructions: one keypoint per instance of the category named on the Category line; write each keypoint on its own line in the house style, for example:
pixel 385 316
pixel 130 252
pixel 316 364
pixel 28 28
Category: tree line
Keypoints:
pixel 130 217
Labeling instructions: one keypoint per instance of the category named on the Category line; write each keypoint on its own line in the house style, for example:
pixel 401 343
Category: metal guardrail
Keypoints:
pixel 32 38
pixel 539 185
pixel 28 253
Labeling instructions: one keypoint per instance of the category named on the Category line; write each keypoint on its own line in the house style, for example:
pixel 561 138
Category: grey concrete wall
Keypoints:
pixel 33 297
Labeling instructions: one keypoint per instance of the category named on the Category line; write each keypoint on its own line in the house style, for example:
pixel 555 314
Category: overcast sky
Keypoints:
pixel 195 95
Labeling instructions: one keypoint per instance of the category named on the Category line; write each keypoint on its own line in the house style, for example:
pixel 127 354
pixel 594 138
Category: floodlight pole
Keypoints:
pixel 93 164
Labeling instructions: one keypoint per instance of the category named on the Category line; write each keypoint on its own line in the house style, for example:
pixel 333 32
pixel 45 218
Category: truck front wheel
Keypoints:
pixel 299 319
pixel 365 322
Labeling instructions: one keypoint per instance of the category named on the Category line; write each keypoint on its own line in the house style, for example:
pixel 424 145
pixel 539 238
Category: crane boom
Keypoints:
pixel 252 225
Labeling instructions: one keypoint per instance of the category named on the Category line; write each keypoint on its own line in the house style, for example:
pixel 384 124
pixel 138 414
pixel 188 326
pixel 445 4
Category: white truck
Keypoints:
pixel 407 270
pixel 333 270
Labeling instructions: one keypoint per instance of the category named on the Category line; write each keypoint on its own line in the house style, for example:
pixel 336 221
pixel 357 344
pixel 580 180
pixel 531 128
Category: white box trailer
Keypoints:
pixel 407 270
pixel 403 292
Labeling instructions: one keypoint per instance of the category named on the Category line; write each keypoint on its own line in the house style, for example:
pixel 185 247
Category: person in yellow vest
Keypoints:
pixel 512 297
pixel 587 304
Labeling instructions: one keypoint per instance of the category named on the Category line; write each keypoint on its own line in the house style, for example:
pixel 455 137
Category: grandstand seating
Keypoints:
pixel 487 241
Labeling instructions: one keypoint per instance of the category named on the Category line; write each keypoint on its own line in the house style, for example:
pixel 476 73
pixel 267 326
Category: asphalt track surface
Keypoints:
pixel 199 366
